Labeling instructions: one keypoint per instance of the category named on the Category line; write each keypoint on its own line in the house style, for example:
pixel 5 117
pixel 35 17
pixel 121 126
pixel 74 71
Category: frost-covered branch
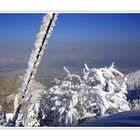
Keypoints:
pixel 99 93
pixel 71 76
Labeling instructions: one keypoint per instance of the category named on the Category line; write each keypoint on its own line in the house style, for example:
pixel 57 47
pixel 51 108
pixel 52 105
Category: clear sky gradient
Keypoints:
pixel 97 39
pixel 112 28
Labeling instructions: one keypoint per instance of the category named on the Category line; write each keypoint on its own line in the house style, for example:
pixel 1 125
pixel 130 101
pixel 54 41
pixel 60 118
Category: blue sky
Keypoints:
pixel 97 39
pixel 110 28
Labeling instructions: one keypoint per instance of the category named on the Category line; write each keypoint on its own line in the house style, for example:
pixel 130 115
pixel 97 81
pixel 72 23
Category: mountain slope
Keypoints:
pixel 9 89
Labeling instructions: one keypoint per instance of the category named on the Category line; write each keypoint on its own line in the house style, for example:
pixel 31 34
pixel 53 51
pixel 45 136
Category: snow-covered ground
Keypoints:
pixel 123 119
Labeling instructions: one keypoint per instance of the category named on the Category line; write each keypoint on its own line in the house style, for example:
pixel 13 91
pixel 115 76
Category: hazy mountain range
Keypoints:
pixel 60 54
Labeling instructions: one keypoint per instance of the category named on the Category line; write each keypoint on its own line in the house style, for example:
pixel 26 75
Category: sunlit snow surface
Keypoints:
pixel 123 119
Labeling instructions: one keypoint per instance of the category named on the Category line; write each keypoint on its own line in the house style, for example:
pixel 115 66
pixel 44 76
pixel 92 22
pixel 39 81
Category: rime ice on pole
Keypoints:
pixel 46 29
pixel 41 41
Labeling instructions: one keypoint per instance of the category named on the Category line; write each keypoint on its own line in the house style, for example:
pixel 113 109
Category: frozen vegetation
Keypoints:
pixel 74 100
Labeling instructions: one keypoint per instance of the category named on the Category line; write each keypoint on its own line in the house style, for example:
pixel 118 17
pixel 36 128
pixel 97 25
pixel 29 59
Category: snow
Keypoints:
pixel 3 121
pixel 69 102
pixel 75 99
pixel 9 116
pixel 123 119
pixel 133 80
pixel 37 52
pixel 35 58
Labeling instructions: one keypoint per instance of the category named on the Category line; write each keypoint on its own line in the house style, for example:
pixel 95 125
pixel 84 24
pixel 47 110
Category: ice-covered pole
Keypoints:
pixel 46 29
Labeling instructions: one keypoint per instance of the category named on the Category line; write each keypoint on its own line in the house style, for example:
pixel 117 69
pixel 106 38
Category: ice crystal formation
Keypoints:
pixel 73 100
pixel 46 29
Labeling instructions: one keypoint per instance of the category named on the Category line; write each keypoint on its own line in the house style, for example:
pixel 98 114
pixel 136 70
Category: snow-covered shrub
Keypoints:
pixel 107 86
pixel 34 115
pixel 3 121
pixel 135 104
pixel 100 92
pixel 73 100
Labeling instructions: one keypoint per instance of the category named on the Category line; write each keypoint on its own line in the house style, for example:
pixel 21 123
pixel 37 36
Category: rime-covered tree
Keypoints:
pixel 99 92
pixel 3 120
